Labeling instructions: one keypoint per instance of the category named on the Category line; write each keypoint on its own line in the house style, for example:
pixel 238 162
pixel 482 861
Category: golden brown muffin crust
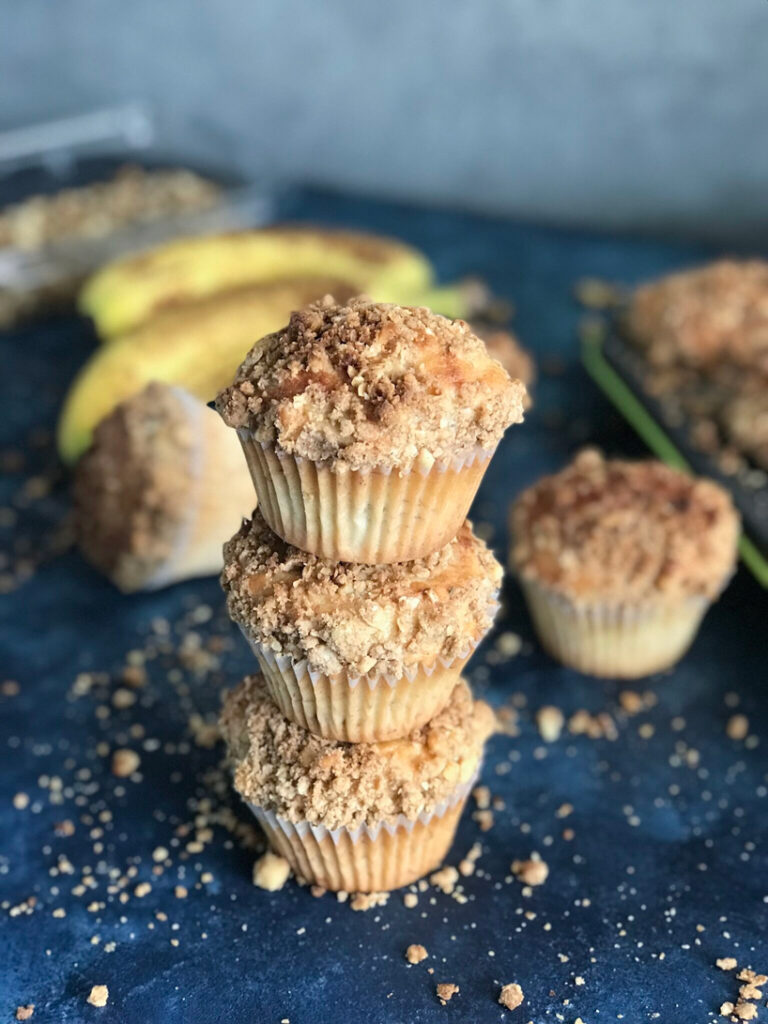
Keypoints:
pixel 359 618
pixel 616 530
pixel 719 311
pixel 130 487
pixel 372 385
pixel 285 769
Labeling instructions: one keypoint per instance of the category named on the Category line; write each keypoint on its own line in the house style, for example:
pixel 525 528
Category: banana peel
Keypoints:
pixel 132 290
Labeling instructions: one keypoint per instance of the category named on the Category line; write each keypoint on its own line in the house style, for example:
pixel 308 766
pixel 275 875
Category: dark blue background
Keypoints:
pixel 666 896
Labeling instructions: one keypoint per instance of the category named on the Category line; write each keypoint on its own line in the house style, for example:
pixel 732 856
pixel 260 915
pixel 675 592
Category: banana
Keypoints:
pixel 126 293
pixel 197 346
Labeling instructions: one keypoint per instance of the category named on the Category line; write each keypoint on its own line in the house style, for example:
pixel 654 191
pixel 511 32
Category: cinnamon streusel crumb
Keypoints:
pixel 357 618
pixel 610 529
pixel 415 953
pixel 446 990
pixel 372 385
pixel 283 768
pixel 511 996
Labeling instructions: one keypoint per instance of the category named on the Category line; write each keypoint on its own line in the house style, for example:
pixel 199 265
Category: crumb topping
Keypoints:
pixel 131 484
pixel 511 996
pixel 300 777
pixel 702 315
pixel 358 618
pixel 369 385
pixel 610 529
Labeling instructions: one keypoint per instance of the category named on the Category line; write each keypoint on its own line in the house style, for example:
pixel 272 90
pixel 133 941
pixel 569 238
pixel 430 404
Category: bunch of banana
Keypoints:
pixel 187 312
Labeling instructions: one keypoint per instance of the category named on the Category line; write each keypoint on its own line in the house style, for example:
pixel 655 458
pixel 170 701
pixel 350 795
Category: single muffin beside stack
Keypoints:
pixel 360 586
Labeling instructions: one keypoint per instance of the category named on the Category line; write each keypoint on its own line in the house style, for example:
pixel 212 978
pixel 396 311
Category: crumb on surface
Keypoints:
pixel 415 953
pixel 98 995
pixel 737 727
pixel 446 990
pixel 445 879
pixel 125 762
pixel 726 963
pixel 533 871
pixel 368 900
pixel 25 1012
pixel 511 996
pixel 745 1011
pixel 271 872
pixel 550 721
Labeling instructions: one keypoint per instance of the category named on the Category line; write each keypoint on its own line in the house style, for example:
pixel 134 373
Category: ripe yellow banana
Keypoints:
pixel 197 346
pixel 129 291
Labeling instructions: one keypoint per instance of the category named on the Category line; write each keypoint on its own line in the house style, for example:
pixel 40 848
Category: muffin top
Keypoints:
pixel 372 385
pixel 283 768
pixel 616 530
pixel 702 315
pixel 131 487
pixel 345 617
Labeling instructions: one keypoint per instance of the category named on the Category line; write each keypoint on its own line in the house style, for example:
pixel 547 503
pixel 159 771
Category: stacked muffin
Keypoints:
pixel 361 587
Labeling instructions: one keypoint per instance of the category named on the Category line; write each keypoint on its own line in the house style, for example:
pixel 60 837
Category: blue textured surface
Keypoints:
pixel 668 865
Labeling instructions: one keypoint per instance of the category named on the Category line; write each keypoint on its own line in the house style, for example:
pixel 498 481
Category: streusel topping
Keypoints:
pixel 131 486
pixel 345 617
pixel 300 777
pixel 700 316
pixel 610 529
pixel 372 385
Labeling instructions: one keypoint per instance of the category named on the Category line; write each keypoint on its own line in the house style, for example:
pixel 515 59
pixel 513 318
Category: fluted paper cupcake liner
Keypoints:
pixel 366 859
pixel 372 516
pixel 611 639
pixel 355 709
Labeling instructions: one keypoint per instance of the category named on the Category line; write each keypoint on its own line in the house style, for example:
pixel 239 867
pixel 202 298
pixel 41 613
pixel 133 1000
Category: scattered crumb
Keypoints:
pixel 21 801
pixel 25 1012
pixel 747 974
pixel 180 892
pixel 511 996
pixel 530 872
pixel 410 900
pixel 124 763
pixel 415 953
pixel 271 872
pixel 446 990
pixel 737 728
pixel 550 721
pixel 482 797
pixel 726 1009
pixel 508 644
pixel 750 991
pixel 445 879
pixel 368 900
pixel 142 889
pixel 726 963
pixel 98 995
pixel 745 1011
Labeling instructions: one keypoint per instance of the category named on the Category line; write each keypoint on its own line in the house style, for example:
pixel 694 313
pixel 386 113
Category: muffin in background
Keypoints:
pixel 161 488
pixel 701 316
pixel 359 652
pixel 360 817
pixel 620 560
pixel 368 427
pixel 505 347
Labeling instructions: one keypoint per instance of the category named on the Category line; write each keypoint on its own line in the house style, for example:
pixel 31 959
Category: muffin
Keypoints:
pixel 620 560
pixel 505 347
pixel 361 817
pixel 159 491
pixel 359 652
pixel 700 316
pixel 368 427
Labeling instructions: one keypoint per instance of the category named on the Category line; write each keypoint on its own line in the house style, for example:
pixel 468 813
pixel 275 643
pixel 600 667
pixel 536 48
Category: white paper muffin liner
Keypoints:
pixel 367 858
pixel 611 639
pixel 373 516
pixel 361 709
